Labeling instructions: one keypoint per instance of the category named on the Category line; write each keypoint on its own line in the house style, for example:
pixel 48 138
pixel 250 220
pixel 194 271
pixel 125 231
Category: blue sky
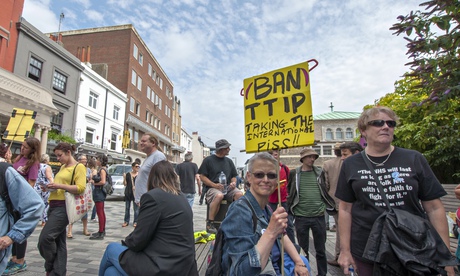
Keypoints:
pixel 207 48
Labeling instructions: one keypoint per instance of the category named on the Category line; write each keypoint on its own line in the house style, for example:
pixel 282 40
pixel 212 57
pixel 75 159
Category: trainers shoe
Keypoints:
pixel 15 268
pixel 9 264
pixel 210 228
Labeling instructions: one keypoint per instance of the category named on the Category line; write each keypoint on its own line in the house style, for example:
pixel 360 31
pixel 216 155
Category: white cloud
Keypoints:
pixel 207 48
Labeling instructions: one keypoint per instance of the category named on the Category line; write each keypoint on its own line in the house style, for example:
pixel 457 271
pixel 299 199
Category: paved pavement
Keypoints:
pixel 84 255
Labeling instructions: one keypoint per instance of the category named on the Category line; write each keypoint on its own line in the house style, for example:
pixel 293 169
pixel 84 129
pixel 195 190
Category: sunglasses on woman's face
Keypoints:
pixel 261 175
pixel 380 123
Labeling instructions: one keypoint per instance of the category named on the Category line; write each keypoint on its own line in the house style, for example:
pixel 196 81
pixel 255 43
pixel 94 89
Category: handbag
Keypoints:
pixel 402 243
pixel 78 205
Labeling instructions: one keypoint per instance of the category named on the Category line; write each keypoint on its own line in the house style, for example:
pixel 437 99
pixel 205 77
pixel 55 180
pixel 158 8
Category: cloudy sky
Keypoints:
pixel 208 47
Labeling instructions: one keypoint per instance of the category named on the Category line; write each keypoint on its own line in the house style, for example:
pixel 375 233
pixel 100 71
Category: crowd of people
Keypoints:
pixel 266 230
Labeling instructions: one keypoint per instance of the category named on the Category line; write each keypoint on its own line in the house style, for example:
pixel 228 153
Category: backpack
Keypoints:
pixel 4 192
pixel 215 265
pixel 108 186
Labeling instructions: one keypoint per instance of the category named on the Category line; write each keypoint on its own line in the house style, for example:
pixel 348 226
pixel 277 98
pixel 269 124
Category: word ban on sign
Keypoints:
pixel 277 109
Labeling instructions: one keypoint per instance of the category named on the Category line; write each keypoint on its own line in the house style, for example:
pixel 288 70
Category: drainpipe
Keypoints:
pixel 103 123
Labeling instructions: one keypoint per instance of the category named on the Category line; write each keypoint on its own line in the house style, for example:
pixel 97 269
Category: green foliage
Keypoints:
pixel 58 137
pixel 433 39
pixel 427 99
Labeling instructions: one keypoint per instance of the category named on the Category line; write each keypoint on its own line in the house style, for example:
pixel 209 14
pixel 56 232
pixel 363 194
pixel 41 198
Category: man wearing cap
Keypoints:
pixel 307 200
pixel 209 173
pixel 330 175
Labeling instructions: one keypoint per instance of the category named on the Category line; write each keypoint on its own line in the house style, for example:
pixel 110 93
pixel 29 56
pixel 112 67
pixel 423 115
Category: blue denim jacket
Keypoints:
pixel 30 206
pixel 240 255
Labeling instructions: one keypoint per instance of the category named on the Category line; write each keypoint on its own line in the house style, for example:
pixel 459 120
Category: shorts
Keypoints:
pixel 212 192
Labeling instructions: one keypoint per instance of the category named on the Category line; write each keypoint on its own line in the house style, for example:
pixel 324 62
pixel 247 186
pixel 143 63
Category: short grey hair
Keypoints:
pixel 261 156
pixel 188 156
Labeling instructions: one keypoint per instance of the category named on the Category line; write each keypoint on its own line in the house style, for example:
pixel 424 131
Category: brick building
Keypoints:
pixel 119 54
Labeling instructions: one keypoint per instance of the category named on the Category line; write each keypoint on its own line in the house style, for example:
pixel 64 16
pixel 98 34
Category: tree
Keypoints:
pixel 435 134
pixel 433 39
pixel 427 99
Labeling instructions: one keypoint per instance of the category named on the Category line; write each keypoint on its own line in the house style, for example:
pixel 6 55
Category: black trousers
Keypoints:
pixel 52 243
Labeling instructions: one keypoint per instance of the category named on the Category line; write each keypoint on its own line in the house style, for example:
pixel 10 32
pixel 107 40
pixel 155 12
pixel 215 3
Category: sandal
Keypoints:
pixel 86 233
pixel 124 224
pixel 69 235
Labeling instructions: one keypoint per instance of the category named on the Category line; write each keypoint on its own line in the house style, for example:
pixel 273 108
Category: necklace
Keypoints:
pixel 378 164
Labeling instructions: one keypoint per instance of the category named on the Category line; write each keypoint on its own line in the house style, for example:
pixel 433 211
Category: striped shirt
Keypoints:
pixel 310 202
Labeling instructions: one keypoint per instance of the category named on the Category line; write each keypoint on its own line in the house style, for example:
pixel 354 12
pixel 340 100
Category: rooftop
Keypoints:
pixel 337 115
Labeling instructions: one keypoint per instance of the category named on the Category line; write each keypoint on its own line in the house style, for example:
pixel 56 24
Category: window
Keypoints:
pixel 160 103
pixel 147 116
pixel 153 97
pixel 139 83
pixel 161 83
pixel 133 77
pixel 89 135
pixel 116 111
pixel 132 103
pixel 93 97
pixel 155 123
pixel 59 82
pixel 35 69
pixel 138 109
pixel 338 134
pixel 135 51
pixel 327 150
pixel 56 121
pixel 141 59
pixel 149 91
pixel 113 141
pixel 93 100
pixel 329 135
pixel 349 133
pixel 150 69
pixel 317 149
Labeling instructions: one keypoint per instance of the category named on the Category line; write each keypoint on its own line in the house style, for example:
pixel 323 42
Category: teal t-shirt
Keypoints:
pixel 310 202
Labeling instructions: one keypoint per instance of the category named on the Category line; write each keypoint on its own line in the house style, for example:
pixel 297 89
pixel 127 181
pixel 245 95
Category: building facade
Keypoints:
pixel 330 128
pixel 100 117
pixel 132 68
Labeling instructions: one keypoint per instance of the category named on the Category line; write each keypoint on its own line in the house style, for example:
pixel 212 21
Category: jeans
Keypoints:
pixel 93 213
pixel 109 264
pixel 52 241
pixel 290 227
pixel 190 198
pixel 127 210
pixel 318 228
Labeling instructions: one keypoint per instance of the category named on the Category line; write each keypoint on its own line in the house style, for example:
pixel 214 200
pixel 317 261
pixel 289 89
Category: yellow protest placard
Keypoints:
pixel 277 109
pixel 20 124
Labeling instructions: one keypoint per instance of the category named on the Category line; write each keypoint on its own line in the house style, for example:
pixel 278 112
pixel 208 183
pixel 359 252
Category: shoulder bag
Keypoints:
pixel 78 205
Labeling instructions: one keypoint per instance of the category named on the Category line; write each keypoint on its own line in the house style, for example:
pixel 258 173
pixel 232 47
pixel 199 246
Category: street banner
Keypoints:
pixel 20 125
pixel 277 109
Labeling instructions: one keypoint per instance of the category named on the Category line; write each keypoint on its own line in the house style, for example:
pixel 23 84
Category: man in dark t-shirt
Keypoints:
pixel 188 176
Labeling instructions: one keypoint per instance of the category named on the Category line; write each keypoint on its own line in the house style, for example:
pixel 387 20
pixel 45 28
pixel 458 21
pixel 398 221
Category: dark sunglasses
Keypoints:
pixel 261 175
pixel 380 123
